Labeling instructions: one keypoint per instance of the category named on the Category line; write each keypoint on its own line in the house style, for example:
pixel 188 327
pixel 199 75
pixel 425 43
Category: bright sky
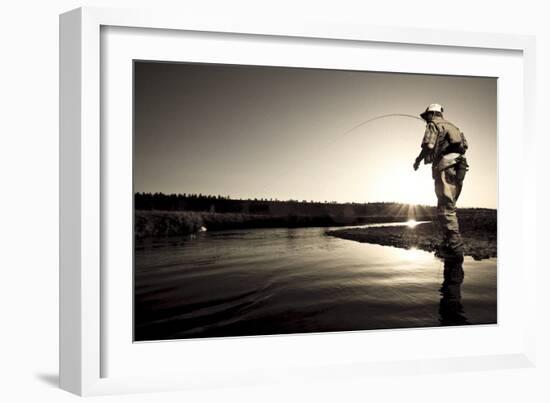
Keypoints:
pixel 272 132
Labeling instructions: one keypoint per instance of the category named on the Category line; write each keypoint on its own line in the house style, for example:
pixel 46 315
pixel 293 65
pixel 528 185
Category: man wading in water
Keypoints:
pixel 444 146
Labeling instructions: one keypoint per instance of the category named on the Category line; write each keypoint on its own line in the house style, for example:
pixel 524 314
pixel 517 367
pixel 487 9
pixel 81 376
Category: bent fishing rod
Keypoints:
pixel 388 115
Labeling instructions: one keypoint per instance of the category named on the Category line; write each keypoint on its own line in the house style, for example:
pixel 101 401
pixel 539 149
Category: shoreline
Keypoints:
pixel 479 237
pixel 179 223
pixel 478 227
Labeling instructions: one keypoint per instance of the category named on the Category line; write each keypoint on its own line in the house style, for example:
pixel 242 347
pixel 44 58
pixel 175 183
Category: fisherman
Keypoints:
pixel 444 146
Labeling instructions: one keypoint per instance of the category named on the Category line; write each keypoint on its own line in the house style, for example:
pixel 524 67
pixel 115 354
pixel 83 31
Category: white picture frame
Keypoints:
pixel 83 306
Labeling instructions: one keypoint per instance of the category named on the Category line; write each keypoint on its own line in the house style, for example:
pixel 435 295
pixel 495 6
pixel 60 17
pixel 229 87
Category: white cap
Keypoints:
pixel 434 108
pixel 431 108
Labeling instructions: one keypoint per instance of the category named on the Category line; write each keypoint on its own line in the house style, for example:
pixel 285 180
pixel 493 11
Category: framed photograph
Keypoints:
pixel 247 202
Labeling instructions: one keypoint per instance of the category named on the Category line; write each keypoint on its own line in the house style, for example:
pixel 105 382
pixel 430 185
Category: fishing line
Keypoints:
pixel 344 134
pixel 389 115
pixel 382 117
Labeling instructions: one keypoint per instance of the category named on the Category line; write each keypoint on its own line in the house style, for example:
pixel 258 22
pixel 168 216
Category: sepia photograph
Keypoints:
pixel 274 200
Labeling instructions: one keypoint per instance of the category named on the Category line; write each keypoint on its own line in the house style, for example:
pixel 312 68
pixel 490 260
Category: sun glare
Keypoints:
pixel 402 185
pixel 412 223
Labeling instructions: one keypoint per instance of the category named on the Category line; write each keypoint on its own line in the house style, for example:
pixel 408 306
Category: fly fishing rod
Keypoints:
pixel 389 115
pixel 347 132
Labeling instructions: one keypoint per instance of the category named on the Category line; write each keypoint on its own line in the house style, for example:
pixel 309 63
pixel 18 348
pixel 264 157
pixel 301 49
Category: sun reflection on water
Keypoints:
pixel 412 223
pixel 416 255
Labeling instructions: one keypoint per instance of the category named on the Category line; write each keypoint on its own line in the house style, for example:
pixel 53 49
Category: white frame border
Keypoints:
pixel 80 164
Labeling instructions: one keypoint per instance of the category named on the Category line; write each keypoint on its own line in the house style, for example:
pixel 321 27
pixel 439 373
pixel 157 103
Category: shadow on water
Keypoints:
pixel 451 310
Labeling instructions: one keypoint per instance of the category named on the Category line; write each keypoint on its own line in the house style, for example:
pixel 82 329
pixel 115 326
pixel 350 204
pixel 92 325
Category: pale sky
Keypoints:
pixel 277 132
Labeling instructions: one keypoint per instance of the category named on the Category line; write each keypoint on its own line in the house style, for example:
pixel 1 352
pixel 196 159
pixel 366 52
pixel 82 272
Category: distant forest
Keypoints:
pixel 225 204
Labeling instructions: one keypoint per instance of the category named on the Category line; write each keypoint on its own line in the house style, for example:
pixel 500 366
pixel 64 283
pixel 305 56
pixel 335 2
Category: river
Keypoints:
pixel 279 281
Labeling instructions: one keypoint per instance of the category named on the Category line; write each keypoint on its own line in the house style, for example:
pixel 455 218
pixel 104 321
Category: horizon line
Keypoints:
pixel 229 197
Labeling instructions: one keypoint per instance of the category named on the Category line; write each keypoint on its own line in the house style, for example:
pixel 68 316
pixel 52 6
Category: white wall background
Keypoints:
pixel 29 198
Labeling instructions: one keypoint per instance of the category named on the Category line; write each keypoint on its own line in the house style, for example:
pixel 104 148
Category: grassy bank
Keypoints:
pixel 177 223
pixel 479 232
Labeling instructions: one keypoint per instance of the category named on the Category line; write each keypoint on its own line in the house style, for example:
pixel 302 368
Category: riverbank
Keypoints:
pixel 479 233
pixel 179 223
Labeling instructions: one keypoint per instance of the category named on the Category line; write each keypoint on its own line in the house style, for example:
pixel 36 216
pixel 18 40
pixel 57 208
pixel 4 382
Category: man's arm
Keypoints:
pixel 428 144
pixel 423 152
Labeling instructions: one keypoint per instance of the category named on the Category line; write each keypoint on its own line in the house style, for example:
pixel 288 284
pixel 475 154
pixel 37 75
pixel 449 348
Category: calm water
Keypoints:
pixel 273 281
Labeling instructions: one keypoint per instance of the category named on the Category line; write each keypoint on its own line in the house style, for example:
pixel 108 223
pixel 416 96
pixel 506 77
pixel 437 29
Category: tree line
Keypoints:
pixel 226 204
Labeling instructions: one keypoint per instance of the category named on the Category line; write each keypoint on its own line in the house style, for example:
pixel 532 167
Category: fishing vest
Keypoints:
pixel 449 140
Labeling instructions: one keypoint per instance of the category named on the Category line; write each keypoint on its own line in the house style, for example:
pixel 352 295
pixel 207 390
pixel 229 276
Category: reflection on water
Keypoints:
pixel 412 223
pixel 451 310
pixel 275 281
